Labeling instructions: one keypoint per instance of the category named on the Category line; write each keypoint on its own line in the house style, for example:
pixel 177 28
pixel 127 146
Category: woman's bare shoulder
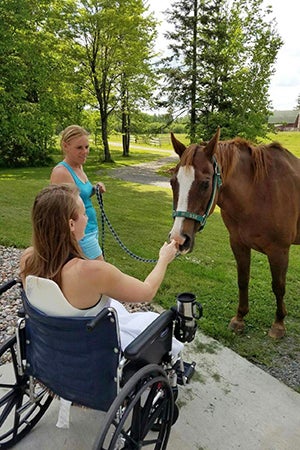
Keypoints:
pixel 83 267
pixel 27 252
pixel 25 255
pixel 84 275
pixel 94 266
pixel 60 174
pixel 96 271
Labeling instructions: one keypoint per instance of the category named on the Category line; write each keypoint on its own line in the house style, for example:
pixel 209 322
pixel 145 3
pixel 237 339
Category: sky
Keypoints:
pixel 285 83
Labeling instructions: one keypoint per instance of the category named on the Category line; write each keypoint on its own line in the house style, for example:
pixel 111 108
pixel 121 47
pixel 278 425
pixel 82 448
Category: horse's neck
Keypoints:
pixel 235 175
pixel 234 159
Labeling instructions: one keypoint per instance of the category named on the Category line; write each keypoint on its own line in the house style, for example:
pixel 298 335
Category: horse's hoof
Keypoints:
pixel 277 331
pixel 236 325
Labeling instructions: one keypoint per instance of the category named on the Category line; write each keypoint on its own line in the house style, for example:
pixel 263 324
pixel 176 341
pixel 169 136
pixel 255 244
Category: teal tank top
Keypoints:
pixel 85 190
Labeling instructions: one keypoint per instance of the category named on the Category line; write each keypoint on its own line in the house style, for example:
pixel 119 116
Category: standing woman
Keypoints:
pixel 75 146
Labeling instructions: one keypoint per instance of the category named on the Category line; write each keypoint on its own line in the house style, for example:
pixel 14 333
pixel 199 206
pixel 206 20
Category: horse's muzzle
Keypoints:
pixel 185 241
pixel 187 245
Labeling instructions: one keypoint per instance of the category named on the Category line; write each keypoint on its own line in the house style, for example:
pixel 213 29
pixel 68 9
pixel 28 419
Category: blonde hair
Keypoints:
pixel 53 242
pixel 71 132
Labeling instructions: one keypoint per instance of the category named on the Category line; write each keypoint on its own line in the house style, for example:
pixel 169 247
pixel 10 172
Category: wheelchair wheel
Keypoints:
pixel 145 399
pixel 18 415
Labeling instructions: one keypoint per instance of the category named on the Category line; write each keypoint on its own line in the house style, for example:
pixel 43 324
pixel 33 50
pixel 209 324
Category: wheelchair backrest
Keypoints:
pixel 74 362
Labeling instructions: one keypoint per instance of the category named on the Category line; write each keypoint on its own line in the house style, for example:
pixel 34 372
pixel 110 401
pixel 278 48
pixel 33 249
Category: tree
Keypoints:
pixel 219 69
pixel 58 58
pixel 38 87
pixel 116 37
pixel 138 78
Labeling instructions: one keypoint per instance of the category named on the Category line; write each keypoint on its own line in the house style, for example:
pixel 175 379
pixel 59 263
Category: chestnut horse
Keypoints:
pixel 258 192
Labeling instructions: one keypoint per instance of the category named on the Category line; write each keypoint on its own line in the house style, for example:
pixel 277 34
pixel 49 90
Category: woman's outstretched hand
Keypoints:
pixel 168 251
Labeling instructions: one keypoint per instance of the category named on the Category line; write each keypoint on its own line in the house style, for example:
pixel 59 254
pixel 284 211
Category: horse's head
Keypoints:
pixel 194 183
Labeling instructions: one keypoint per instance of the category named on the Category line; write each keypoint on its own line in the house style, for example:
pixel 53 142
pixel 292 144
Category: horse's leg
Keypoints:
pixel 242 256
pixel 278 261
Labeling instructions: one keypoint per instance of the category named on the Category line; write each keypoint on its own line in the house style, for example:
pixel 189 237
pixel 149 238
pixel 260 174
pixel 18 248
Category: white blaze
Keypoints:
pixel 185 178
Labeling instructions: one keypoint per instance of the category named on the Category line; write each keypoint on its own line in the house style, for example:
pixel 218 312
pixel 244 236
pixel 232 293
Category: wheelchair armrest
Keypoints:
pixel 134 350
pixel 5 286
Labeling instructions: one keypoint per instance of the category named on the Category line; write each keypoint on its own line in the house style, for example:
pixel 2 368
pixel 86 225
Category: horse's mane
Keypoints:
pixel 229 153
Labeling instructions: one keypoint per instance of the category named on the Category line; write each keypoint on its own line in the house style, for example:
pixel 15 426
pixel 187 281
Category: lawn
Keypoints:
pixel 141 215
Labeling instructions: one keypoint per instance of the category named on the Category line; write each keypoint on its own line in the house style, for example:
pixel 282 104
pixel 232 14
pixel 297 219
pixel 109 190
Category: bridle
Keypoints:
pixel 217 182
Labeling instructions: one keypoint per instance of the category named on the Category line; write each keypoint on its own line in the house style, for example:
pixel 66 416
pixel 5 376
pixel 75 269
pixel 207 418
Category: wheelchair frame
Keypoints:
pixel 143 379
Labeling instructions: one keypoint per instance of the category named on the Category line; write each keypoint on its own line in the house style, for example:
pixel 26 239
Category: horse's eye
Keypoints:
pixel 204 185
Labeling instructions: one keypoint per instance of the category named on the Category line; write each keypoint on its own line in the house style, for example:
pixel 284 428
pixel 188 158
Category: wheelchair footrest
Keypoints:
pixel 185 373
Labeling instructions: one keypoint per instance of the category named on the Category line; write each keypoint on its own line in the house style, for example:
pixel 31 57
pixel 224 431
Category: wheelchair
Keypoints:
pixel 80 359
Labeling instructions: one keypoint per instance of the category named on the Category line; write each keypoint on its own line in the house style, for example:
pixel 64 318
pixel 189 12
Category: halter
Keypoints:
pixel 217 182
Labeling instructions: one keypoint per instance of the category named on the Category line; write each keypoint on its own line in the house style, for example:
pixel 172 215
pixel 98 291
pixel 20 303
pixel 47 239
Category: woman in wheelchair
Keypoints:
pixel 59 280
pixel 129 366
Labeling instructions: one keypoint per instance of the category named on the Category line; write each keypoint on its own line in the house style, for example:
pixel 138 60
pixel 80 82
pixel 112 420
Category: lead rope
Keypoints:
pixel 104 219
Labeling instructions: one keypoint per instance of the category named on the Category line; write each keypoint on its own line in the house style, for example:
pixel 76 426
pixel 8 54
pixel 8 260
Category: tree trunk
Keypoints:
pixel 125 116
pixel 106 151
pixel 103 118
pixel 125 133
pixel 194 76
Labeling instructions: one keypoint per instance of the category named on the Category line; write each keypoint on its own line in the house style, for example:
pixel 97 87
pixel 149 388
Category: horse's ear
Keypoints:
pixel 211 147
pixel 178 146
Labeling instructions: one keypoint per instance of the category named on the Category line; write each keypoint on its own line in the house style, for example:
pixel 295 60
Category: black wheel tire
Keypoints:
pixel 145 399
pixel 17 414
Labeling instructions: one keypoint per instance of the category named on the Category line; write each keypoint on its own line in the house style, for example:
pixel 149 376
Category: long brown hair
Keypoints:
pixel 53 242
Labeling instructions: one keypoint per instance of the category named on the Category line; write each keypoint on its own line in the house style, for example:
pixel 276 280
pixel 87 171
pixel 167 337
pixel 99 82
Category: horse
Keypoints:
pixel 257 189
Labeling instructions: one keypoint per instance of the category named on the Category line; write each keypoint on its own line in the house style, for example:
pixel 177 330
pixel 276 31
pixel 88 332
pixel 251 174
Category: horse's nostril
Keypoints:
pixel 187 241
pixel 186 244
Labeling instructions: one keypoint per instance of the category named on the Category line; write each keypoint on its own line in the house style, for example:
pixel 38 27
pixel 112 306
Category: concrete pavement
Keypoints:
pixel 230 404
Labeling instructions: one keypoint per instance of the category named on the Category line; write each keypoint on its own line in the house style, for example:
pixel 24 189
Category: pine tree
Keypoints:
pixel 221 59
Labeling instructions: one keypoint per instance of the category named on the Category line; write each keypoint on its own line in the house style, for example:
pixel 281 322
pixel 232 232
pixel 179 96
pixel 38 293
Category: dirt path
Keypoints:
pixel 145 173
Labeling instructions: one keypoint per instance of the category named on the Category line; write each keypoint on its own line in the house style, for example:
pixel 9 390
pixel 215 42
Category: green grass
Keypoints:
pixel 141 215
pixel 288 139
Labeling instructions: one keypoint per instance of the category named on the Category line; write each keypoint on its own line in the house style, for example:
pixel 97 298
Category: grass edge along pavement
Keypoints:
pixel 209 271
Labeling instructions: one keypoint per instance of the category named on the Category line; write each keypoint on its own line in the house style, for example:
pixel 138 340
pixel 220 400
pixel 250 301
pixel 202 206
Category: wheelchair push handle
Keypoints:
pixel 188 311
pixel 93 323
pixel 7 285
